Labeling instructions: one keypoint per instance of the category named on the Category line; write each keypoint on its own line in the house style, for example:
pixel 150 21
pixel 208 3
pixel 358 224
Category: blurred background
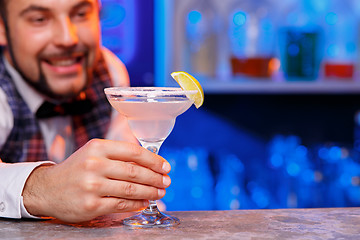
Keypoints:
pixel 280 125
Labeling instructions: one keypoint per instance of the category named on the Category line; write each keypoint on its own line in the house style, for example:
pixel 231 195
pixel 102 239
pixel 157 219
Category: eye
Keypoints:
pixel 82 14
pixel 38 20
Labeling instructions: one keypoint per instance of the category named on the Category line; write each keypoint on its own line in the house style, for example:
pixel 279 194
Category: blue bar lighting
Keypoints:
pixel 118 21
pixel 194 17
pixel 239 18
pixel 331 18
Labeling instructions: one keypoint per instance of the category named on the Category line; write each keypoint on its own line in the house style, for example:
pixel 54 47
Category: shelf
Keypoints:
pixel 268 86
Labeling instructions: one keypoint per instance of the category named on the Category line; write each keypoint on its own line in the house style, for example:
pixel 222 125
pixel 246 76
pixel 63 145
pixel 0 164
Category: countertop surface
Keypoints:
pixel 326 223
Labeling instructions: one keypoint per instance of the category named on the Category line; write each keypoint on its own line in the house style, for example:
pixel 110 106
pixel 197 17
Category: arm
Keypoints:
pixel 12 176
pixel 102 177
pixel 12 180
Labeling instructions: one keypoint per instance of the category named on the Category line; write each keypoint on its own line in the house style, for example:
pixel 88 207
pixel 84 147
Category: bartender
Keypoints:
pixel 64 152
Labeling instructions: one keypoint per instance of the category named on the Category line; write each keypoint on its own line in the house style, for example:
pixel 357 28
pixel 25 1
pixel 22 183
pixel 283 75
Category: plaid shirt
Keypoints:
pixel 25 142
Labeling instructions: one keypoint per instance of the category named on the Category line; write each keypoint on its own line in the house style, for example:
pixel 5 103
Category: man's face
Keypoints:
pixel 54 43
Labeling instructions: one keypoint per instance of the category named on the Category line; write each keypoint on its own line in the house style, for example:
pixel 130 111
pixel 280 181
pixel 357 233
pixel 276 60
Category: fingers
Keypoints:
pixel 135 173
pixel 118 205
pixel 131 191
pixel 110 176
pixel 105 205
pixel 129 152
pixel 100 178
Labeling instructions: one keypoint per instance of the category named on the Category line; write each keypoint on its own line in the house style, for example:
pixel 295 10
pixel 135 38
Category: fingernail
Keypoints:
pixel 166 167
pixel 161 192
pixel 166 181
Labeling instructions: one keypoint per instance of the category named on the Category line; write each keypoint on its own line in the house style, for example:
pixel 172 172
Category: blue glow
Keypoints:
pixel 319 6
pixel 239 18
pixel 114 43
pixel 266 24
pixel 170 195
pixel 162 8
pixel 334 154
pixel 276 160
pixel 194 17
pixel 196 192
pixel 293 50
pixel 308 176
pixel 323 153
pixel 331 18
pixel 118 21
pixel 354 195
pixel 357 118
pixel 260 198
pixel 293 169
pixel 333 50
pixel 301 151
pixel 351 47
pixel 345 179
pixel 236 163
pixel 192 162
pixel 112 15
pixel 292 18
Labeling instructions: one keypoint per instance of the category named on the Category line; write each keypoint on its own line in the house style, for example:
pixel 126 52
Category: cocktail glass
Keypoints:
pixel 151 114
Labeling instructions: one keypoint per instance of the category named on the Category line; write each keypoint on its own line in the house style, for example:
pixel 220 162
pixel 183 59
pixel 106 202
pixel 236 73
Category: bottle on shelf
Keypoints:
pixel 341 37
pixel 301 40
pixel 251 34
pixel 201 38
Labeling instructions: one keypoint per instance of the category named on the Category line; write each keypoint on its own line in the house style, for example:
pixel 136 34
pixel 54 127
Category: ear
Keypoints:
pixel 3 39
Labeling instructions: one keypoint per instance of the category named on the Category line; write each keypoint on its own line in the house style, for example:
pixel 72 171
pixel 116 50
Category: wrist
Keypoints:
pixel 34 194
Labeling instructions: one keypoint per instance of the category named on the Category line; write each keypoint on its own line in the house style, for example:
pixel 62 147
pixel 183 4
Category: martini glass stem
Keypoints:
pixel 151 216
pixel 152 147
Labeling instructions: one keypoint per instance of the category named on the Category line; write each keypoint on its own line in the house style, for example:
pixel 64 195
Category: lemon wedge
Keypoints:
pixel 188 82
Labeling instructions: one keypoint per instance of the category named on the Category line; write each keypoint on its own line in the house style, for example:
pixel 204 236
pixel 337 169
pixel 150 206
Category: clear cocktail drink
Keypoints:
pixel 154 120
pixel 151 113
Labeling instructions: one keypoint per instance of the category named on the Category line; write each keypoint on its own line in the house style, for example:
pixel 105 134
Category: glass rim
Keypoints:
pixel 148 91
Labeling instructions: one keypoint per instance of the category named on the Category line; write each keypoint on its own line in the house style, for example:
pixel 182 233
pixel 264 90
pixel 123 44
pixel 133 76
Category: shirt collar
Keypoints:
pixel 28 93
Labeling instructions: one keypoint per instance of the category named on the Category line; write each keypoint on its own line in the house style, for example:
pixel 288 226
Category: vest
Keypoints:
pixel 25 142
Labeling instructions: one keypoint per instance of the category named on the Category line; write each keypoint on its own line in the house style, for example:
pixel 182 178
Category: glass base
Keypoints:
pixel 151 219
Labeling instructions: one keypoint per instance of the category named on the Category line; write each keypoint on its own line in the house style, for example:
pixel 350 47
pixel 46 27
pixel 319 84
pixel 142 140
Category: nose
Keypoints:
pixel 65 33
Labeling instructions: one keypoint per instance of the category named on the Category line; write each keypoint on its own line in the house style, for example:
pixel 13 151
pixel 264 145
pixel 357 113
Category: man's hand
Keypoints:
pixel 100 178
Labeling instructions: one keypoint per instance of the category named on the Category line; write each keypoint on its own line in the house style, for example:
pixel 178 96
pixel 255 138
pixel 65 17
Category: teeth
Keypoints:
pixel 62 63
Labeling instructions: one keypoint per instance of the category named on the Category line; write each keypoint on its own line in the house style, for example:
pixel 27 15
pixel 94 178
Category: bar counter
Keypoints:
pixel 326 223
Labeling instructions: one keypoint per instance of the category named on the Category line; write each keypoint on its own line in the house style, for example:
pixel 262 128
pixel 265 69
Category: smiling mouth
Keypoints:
pixel 64 61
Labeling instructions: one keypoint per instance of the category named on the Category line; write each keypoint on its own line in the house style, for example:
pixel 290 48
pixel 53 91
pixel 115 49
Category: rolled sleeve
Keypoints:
pixel 12 181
